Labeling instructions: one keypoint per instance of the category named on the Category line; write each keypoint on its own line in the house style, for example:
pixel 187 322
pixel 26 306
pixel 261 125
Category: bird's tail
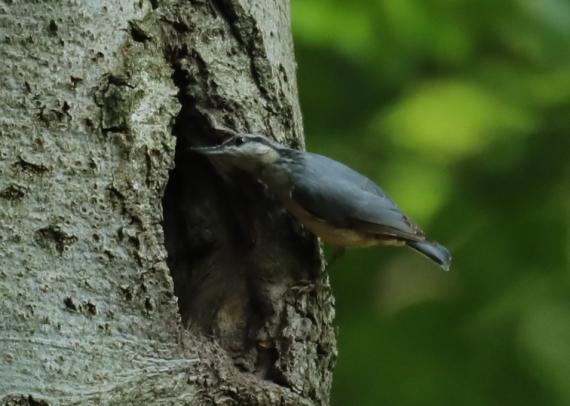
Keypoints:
pixel 434 251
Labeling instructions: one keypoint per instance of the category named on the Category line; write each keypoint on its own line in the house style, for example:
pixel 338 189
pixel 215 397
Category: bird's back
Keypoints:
pixel 343 197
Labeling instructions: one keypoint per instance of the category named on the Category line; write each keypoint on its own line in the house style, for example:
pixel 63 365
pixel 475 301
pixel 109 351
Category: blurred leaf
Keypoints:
pixel 550 88
pixel 419 27
pixel 346 27
pixel 450 119
pixel 545 337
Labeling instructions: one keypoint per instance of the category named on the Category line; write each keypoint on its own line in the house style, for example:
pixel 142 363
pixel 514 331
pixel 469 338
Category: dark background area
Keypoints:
pixel 460 110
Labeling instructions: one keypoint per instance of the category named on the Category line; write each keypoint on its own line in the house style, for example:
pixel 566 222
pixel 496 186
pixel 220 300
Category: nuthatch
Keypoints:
pixel 338 204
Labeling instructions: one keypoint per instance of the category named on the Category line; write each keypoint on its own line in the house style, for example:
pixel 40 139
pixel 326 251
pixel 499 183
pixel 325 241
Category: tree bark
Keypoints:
pixel 131 272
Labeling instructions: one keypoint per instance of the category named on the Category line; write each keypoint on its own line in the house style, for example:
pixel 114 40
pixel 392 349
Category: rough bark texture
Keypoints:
pixel 130 271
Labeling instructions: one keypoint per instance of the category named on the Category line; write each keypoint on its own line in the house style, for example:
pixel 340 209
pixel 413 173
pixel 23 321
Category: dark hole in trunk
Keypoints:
pixel 233 252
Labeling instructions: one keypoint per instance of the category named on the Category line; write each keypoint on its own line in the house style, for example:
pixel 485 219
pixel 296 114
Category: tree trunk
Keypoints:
pixel 130 271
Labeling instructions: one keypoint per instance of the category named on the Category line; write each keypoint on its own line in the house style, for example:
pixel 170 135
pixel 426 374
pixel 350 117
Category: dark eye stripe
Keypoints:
pixel 239 140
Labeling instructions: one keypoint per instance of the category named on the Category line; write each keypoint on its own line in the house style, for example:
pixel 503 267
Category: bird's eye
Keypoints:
pixel 239 141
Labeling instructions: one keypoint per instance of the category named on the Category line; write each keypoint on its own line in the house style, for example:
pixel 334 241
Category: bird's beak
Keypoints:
pixel 213 150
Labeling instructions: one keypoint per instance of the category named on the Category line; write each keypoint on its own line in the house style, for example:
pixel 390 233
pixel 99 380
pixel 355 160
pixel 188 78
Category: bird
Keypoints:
pixel 336 203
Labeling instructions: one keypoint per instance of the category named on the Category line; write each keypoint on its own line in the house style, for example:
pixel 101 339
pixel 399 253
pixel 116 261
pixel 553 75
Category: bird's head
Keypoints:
pixel 247 152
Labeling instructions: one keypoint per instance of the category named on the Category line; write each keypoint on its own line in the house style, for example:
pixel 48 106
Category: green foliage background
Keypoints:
pixel 460 109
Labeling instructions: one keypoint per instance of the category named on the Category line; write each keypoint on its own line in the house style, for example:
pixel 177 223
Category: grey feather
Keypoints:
pixel 343 197
pixel 434 251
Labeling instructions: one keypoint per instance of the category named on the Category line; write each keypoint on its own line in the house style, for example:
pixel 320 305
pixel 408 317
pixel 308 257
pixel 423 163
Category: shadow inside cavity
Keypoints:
pixel 233 252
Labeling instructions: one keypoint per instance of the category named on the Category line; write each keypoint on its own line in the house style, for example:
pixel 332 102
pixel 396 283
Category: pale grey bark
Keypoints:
pixel 103 302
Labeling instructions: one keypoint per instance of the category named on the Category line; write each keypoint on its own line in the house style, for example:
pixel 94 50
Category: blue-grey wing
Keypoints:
pixel 342 197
